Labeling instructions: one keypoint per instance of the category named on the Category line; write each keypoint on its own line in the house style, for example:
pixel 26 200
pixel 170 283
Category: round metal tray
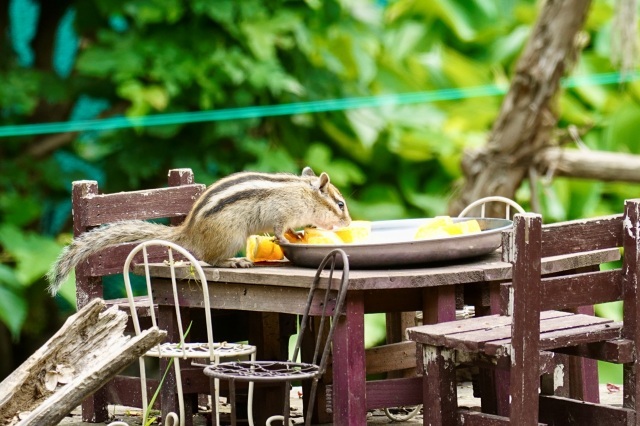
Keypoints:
pixel 391 244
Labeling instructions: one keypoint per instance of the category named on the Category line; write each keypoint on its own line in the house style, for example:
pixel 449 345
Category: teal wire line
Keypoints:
pixel 296 108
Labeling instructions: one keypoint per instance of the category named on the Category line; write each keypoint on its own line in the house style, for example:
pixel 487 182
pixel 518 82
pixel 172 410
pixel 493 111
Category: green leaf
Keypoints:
pixel 32 253
pixel 13 309
pixel 343 173
pixel 18 209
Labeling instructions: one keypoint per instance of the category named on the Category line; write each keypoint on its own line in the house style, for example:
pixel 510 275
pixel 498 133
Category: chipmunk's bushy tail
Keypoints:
pixel 95 240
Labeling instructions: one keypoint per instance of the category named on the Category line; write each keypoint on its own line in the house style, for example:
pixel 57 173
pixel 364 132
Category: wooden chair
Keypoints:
pixel 92 209
pixel 527 338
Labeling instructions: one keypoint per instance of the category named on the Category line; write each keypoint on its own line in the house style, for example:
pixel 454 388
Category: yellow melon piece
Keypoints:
pixel 320 236
pixel 443 226
pixel 262 248
pixel 433 228
pixel 357 232
pixel 460 228
pixel 469 226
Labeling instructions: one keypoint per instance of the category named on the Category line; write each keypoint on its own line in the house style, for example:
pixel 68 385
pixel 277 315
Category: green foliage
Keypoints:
pixel 151 56
pixel 26 258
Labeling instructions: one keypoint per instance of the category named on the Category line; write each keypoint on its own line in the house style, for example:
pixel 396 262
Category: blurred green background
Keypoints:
pixel 78 60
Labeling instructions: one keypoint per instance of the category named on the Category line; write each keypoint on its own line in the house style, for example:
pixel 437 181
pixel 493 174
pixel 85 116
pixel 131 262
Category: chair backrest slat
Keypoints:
pixel 589 288
pixel 147 204
pixel 582 235
pixel 572 291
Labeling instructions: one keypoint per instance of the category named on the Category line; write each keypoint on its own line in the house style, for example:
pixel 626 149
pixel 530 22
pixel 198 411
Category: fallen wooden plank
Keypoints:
pixel 81 357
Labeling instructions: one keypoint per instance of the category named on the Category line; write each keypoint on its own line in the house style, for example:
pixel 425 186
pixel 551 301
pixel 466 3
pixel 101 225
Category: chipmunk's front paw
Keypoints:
pixel 236 262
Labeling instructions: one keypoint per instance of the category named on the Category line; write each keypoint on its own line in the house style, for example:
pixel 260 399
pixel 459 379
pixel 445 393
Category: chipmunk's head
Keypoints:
pixel 330 209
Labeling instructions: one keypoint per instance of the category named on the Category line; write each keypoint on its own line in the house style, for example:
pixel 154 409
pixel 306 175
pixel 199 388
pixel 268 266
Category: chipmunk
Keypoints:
pixel 221 219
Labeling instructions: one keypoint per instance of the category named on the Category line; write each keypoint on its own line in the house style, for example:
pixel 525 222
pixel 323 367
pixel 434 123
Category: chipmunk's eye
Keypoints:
pixel 341 205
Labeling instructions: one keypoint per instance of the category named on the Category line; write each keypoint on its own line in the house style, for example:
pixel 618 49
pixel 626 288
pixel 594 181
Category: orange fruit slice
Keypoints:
pixel 261 248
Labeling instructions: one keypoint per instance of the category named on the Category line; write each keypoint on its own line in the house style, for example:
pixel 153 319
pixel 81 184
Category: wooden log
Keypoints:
pixel 81 357
pixel 597 165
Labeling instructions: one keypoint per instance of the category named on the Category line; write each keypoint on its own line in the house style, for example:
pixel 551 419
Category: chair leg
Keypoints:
pixel 250 397
pixel 312 398
pixel 524 385
pixel 631 389
pixel 214 391
pixel 176 364
pixel 143 390
pixel 287 407
pixel 232 401
pixel 216 396
pixel 439 391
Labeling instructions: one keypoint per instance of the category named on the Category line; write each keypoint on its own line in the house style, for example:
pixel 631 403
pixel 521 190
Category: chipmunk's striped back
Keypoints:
pixel 237 187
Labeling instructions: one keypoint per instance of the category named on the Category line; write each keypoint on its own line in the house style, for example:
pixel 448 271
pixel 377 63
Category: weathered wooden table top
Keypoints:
pixel 484 269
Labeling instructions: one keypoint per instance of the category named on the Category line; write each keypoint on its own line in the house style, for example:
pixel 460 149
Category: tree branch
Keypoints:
pixel 526 118
pixel 597 165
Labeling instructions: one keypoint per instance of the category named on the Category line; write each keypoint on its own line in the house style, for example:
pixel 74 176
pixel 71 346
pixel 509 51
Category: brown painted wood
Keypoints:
pixel 266 333
pixel 126 389
pixel 439 390
pixel 472 418
pixel 582 235
pixel 387 393
pixel 620 351
pixel 631 305
pixel 181 177
pixel 145 204
pixel 231 296
pixel 394 392
pixel 525 341
pixel 349 393
pixel 476 331
pixel 87 287
pixel 391 357
pixel 388 281
pixel 558 411
pixel 402 303
pixel 572 291
pixel 588 331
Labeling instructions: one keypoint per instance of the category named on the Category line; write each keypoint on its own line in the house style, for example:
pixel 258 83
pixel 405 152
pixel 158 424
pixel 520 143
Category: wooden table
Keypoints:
pixel 284 288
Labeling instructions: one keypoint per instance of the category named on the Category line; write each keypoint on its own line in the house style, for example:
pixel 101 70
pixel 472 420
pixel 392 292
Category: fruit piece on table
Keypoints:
pixel 293 236
pixel 357 232
pixel 262 248
pixel 320 236
pixel 443 226
pixel 434 228
pixel 469 226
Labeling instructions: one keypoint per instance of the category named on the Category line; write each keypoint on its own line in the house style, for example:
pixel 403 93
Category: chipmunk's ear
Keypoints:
pixel 307 172
pixel 323 182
